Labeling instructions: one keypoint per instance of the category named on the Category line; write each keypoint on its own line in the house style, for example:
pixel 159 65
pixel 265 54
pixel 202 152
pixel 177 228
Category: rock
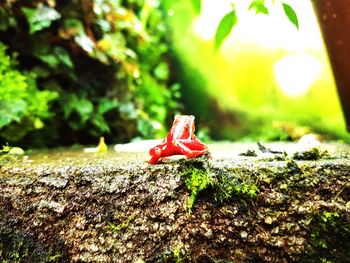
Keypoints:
pixel 156 226
pixel 119 184
pixel 51 205
pixel 268 220
pixel 55 182
pixel 244 235
pixel 79 207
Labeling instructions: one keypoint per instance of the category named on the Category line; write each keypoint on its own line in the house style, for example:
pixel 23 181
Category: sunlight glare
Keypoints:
pixel 295 74
pixel 271 31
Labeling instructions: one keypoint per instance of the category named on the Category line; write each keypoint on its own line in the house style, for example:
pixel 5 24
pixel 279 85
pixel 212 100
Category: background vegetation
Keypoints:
pixel 237 90
pixel 72 71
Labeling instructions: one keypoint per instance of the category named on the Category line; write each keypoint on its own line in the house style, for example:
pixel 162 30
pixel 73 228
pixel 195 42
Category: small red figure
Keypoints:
pixel 180 140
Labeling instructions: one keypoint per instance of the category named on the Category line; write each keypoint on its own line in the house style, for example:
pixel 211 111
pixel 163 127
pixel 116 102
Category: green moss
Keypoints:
pixel 17 254
pixel 293 168
pixel 222 261
pixel 329 236
pixel 18 248
pixel 122 225
pixel 178 255
pixel 5 156
pixel 310 155
pixel 219 187
pixel 175 254
pixel 196 180
pixel 54 257
pixel 249 153
pixel 227 187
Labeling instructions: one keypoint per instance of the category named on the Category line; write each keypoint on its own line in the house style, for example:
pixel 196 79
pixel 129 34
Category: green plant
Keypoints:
pixel 106 59
pixel 5 155
pixel 196 180
pixel 228 22
pixel 218 187
pixel 23 107
pixel 16 248
pixel 178 255
pixel 327 228
pixel 230 19
pixel 122 225
pixel 311 154
pixel 227 187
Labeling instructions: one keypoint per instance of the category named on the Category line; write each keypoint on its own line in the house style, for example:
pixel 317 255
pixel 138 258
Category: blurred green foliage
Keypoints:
pixel 22 105
pixel 236 93
pixel 105 62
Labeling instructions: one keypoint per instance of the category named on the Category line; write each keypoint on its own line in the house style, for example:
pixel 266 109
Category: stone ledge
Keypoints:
pixel 77 207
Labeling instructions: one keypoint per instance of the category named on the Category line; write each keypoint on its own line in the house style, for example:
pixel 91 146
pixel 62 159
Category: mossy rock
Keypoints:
pixel 70 206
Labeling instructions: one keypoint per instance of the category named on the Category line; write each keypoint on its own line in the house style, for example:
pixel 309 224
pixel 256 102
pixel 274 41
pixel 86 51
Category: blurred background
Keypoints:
pixel 73 71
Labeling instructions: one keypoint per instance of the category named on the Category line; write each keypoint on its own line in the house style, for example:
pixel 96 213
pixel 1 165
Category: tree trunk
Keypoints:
pixel 334 20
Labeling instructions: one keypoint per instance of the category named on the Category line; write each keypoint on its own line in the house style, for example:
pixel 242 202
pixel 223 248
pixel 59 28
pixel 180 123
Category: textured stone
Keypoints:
pixel 114 207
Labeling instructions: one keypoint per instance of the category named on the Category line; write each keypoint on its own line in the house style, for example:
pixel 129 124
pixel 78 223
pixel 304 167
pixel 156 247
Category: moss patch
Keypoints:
pixel 227 188
pixel 311 155
pixel 196 180
pixel 219 187
pixel 329 236
pixel 122 225
pixel 18 248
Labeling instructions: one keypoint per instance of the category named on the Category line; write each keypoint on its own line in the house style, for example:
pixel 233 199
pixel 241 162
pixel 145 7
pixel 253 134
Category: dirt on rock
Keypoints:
pixel 61 206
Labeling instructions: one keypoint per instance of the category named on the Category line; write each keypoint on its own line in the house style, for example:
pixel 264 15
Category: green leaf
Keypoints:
pixel 12 111
pixel 106 105
pixel 71 103
pixel 40 18
pixel 162 71
pixel 63 56
pixel 197 6
pixel 74 25
pixel 41 72
pixel 259 7
pixel 6 20
pixel 99 122
pixel 84 108
pixel 128 109
pixel 225 27
pixel 290 13
pixel 50 59
pixel 55 57
pixel 85 42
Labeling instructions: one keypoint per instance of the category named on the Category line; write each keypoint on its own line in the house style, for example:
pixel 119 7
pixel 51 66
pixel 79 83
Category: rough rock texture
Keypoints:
pixel 77 207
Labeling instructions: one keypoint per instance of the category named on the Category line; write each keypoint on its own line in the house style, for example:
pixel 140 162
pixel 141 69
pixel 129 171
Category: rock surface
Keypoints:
pixel 259 206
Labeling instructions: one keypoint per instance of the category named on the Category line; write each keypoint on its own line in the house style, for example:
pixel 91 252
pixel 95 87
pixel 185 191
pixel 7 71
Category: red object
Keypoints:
pixel 179 141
